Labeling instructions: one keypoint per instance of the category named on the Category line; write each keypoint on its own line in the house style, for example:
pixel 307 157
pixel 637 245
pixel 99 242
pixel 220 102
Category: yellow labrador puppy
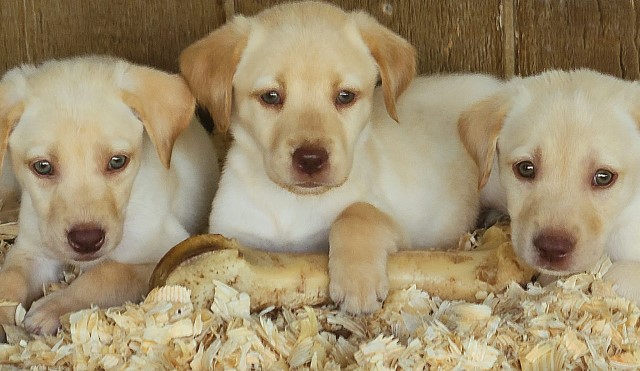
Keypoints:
pixel 322 158
pixel 563 149
pixel 113 173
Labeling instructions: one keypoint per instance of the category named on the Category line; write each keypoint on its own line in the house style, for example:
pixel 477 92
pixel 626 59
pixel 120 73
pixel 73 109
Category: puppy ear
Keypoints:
pixel 395 56
pixel 162 101
pixel 479 127
pixel 209 64
pixel 12 91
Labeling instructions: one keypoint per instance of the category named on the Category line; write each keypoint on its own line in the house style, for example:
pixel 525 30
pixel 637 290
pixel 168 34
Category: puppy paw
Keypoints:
pixel 43 317
pixel 358 290
pixel 625 276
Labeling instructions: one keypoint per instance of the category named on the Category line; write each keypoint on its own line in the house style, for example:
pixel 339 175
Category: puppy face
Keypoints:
pixel 568 152
pixel 75 135
pixel 302 87
pixel 306 113
pixel 77 168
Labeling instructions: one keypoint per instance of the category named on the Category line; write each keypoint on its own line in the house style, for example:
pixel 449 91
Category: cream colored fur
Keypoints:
pixel 77 114
pixel 569 125
pixel 386 184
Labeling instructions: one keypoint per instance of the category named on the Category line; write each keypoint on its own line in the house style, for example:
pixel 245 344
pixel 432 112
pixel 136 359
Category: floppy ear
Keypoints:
pixel 162 101
pixel 479 127
pixel 12 92
pixel 395 57
pixel 209 64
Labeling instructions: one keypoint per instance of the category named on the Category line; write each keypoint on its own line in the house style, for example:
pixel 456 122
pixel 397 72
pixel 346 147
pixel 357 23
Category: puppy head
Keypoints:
pixel 297 82
pixel 568 153
pixel 74 130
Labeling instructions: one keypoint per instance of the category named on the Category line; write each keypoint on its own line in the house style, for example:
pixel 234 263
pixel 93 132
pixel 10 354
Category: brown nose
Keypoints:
pixel 310 160
pixel 554 246
pixel 85 239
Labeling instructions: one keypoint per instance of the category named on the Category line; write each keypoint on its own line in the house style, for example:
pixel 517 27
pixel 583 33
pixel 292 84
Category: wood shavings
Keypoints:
pixel 8 231
pixel 229 303
pixel 9 208
pixel 4 247
pixel 16 334
pixel 576 323
pixel 20 313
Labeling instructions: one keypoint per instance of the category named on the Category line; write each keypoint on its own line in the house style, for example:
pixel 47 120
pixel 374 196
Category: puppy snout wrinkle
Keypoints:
pixel 554 246
pixel 86 239
pixel 310 159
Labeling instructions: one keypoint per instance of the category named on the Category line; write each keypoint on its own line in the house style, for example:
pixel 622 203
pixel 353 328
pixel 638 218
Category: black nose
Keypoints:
pixel 554 246
pixel 310 160
pixel 85 239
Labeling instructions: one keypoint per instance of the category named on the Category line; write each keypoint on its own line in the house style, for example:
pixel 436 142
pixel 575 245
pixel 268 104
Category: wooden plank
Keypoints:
pixel 598 34
pixel 455 36
pixel 451 35
pixel 13 39
pixel 147 32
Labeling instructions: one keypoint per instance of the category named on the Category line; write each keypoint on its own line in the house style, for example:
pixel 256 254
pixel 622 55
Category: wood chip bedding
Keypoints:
pixel 575 323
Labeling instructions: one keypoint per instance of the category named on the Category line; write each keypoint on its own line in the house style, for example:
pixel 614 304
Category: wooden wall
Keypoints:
pixel 503 37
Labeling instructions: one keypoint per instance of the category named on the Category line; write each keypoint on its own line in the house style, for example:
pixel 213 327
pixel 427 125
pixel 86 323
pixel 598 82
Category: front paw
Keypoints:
pixel 358 289
pixel 44 315
pixel 625 276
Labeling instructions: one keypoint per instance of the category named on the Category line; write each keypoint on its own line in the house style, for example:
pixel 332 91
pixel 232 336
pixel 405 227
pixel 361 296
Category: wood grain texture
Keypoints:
pixel 502 37
pixel 599 34
pixel 148 32
pixel 13 35
pixel 452 35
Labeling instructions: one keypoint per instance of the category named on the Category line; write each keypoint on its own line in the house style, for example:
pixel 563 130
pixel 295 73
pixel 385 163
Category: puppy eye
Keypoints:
pixel 603 178
pixel 42 168
pixel 524 170
pixel 271 98
pixel 117 162
pixel 345 97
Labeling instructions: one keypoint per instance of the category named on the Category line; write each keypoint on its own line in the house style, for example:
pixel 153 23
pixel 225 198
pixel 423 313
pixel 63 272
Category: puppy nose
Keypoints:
pixel 85 239
pixel 310 160
pixel 554 245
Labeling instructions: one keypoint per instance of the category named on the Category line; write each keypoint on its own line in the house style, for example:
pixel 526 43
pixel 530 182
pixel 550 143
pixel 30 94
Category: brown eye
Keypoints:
pixel 42 168
pixel 345 97
pixel 117 162
pixel 271 98
pixel 524 170
pixel 603 178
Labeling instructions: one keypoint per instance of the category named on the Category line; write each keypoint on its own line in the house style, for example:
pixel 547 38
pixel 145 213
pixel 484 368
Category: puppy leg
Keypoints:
pixel 360 240
pixel 21 280
pixel 625 276
pixel 107 284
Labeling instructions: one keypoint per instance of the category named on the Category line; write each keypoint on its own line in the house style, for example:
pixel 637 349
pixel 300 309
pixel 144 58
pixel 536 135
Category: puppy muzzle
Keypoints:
pixel 311 169
pixel 86 240
pixel 554 249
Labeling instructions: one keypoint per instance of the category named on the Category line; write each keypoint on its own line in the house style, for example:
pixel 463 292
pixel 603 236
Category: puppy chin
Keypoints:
pixel 557 267
pixel 567 266
pixel 303 184
pixel 554 272
pixel 309 188
pixel 87 261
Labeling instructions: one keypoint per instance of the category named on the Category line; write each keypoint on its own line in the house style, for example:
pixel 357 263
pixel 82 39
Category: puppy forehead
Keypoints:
pixel 319 51
pixel 58 122
pixel 570 124
pixel 347 80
